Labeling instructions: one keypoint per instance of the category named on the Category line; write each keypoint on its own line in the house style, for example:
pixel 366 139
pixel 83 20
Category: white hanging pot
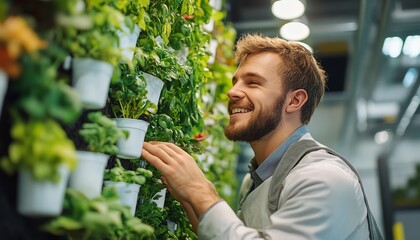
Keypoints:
pixel 3 87
pixel 127 193
pixel 160 201
pixel 89 173
pixel 131 147
pixel 171 225
pixel 91 79
pixel 128 41
pixel 41 198
pixel 212 48
pixel 209 27
pixel 154 87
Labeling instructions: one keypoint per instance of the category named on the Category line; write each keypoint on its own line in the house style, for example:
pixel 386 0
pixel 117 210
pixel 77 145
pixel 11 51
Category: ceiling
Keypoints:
pixel 365 92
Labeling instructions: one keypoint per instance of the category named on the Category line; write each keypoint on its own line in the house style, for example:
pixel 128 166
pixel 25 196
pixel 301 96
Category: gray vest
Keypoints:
pixel 273 186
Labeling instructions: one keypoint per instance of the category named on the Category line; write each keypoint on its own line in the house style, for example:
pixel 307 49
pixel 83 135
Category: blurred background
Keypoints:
pixel 370 50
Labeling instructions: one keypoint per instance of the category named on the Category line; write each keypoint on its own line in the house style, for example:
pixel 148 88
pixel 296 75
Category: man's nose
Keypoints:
pixel 236 92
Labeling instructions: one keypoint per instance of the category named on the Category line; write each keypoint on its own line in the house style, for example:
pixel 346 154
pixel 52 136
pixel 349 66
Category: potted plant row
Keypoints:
pixel 101 135
pixel 99 218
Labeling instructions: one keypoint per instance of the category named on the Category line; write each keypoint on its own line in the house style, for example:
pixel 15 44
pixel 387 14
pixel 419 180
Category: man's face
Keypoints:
pixel 256 98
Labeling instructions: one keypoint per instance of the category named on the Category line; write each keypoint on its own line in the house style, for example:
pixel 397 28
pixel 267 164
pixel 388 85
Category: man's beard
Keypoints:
pixel 258 126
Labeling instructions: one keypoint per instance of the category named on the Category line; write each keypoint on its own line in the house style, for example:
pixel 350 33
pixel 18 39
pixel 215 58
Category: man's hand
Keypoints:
pixel 183 178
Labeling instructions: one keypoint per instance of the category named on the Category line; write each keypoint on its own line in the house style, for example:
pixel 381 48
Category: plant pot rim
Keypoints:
pixel 131 123
pixel 90 153
pixel 121 183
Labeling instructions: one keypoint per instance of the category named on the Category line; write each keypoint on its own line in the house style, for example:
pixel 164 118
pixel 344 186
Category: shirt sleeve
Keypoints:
pixel 327 205
pixel 220 222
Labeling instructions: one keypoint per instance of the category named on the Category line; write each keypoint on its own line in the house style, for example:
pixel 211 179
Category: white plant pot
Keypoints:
pixel 89 173
pixel 91 79
pixel 212 48
pixel 209 27
pixel 131 147
pixel 41 198
pixel 160 202
pixel 216 4
pixel 154 87
pixel 127 193
pixel 3 88
pixel 128 41
pixel 171 225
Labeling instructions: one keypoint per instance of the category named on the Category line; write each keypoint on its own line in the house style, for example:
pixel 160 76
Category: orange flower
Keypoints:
pixel 16 37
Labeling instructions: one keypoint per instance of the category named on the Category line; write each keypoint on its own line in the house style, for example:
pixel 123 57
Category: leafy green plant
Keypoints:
pixel 39 147
pixel 95 36
pixel 128 97
pixel 100 218
pixel 135 10
pixel 101 133
pixel 41 92
pixel 119 174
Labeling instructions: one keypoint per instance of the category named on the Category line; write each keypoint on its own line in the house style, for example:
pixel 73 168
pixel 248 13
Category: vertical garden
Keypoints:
pixel 83 83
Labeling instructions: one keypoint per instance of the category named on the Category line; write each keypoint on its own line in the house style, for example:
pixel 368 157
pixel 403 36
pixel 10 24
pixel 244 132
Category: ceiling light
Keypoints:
pixel 392 46
pixel 306 46
pixel 294 31
pixel 382 137
pixel 288 9
pixel 412 46
pixel 410 77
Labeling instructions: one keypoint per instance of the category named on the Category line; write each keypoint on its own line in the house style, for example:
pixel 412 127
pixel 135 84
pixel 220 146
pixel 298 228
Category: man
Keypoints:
pixel 275 91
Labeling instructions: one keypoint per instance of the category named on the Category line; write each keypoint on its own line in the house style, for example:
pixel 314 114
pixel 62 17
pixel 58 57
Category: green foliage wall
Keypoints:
pixel 173 45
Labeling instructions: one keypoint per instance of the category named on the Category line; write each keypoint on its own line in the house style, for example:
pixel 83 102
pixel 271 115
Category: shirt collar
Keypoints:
pixel 267 167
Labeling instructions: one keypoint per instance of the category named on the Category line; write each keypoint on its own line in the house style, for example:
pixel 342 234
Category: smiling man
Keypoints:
pixel 297 188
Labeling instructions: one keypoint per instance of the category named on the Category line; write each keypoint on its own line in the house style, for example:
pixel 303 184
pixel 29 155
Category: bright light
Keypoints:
pixel 306 46
pixel 294 31
pixel 288 9
pixel 392 46
pixel 412 46
pixel 410 77
pixel 382 137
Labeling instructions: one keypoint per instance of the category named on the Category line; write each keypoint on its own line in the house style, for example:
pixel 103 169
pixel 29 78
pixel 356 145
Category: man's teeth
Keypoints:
pixel 240 110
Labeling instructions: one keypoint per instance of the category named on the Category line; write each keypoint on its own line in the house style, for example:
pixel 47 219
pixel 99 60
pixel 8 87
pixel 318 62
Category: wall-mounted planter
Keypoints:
pixel 212 48
pixel 3 87
pixel 171 225
pixel 216 4
pixel 127 193
pixel 128 40
pixel 160 201
pixel 91 79
pixel 209 27
pixel 41 198
pixel 89 173
pixel 154 87
pixel 131 147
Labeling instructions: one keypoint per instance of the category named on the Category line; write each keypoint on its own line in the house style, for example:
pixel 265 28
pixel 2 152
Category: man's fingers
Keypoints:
pixel 160 152
pixel 155 161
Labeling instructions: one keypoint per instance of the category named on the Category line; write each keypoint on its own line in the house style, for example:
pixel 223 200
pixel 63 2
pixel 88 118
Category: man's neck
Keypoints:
pixel 266 145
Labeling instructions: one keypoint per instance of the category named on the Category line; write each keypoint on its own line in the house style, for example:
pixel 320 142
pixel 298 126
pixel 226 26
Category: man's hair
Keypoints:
pixel 298 69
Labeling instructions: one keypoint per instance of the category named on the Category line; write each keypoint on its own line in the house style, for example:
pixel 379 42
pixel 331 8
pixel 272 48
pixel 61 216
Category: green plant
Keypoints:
pixel 41 92
pixel 135 10
pixel 100 218
pixel 39 147
pixel 92 33
pixel 101 133
pixel 128 96
pixel 119 174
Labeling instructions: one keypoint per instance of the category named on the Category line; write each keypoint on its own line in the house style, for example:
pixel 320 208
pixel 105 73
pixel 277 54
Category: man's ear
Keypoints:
pixel 295 100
